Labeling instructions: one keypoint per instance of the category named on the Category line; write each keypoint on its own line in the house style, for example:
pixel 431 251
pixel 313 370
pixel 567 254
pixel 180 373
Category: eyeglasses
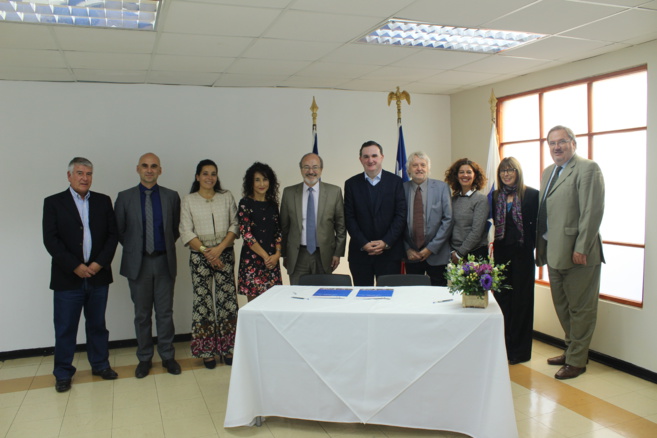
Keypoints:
pixel 507 171
pixel 313 168
pixel 561 143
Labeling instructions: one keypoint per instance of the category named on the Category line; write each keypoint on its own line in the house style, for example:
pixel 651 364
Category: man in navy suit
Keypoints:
pixel 149 260
pixel 375 214
pixel 429 221
pixel 79 232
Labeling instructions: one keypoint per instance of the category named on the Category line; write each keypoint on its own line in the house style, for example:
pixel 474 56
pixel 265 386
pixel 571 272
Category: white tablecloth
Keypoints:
pixel 406 361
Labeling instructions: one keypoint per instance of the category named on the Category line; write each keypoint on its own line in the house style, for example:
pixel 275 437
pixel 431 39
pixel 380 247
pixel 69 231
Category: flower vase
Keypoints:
pixel 476 301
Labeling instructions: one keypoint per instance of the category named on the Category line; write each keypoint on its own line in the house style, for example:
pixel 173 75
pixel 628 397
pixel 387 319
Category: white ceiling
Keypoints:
pixel 310 44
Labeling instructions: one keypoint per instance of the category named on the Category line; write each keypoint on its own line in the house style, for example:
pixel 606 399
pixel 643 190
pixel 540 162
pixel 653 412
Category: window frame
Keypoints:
pixel 589 135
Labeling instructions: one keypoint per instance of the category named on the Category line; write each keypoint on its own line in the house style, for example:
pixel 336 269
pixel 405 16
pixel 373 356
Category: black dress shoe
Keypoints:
pixel 228 360
pixel 210 364
pixel 172 366
pixel 63 385
pixel 517 361
pixel 143 369
pixel 106 374
pixel 569 372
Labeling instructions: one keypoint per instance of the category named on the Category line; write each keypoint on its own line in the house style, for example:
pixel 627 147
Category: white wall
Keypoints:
pixel 44 125
pixel 622 332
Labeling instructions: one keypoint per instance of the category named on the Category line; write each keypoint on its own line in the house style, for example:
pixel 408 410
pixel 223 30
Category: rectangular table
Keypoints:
pixel 408 361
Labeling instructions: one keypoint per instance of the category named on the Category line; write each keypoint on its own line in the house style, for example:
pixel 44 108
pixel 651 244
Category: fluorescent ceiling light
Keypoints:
pixel 398 32
pixel 122 14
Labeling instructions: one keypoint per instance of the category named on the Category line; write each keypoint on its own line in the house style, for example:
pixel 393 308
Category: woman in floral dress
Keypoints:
pixel 208 226
pixel 260 228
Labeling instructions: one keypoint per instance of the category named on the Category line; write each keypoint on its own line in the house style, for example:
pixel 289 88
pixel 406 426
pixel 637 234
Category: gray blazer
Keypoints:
pixel 437 221
pixel 131 231
pixel 574 213
pixel 331 231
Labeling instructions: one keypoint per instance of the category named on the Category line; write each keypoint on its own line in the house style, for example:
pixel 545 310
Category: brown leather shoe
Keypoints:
pixel 557 360
pixel 569 372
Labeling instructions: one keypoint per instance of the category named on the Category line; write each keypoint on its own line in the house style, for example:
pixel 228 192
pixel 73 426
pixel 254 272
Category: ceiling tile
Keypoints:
pixel 247 66
pixel 311 26
pixel 26 36
pixel 266 48
pixel 328 70
pixel 200 64
pixel 104 40
pixel 249 80
pixel 370 8
pixel 110 76
pixel 370 54
pixel 110 61
pixel 552 17
pixel 460 13
pixel 14 58
pixel 502 65
pixel 211 19
pixel 631 24
pixel 399 74
pixel 179 78
pixel 202 45
pixel 555 47
pixel 35 74
pixel 439 59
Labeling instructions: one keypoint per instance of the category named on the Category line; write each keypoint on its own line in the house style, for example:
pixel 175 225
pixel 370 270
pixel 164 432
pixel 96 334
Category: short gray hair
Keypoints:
pixel 569 132
pixel 421 156
pixel 80 161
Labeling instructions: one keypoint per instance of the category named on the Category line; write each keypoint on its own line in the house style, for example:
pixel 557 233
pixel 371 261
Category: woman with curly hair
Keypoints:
pixel 208 226
pixel 469 209
pixel 261 230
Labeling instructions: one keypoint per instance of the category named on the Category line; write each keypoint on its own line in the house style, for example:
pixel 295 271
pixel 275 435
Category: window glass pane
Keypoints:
pixel 622 274
pixel 527 154
pixel 566 107
pixel 620 102
pixel 627 187
pixel 522 113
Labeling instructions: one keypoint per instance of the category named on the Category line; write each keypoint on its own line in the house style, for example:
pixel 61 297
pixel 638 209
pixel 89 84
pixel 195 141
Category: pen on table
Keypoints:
pixel 444 301
pixel 299 298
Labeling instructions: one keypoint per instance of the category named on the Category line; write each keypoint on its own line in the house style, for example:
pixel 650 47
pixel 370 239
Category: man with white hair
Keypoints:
pixel 428 221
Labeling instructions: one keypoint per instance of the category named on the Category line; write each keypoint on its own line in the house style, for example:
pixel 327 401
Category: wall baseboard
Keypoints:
pixel 612 362
pixel 49 351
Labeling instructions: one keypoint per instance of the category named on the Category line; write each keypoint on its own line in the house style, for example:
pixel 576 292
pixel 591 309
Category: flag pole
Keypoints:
pixel 491 169
pixel 313 110
pixel 400 162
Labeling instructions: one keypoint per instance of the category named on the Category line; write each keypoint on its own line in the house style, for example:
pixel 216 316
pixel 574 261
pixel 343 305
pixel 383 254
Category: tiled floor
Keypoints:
pixel 602 403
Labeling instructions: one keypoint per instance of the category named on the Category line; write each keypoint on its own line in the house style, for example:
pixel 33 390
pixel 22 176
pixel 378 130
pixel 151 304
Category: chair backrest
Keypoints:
pixel 403 280
pixel 325 280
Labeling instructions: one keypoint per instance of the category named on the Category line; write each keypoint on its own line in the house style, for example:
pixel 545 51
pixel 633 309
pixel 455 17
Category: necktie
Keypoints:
pixel 311 226
pixel 418 219
pixel 148 210
pixel 542 212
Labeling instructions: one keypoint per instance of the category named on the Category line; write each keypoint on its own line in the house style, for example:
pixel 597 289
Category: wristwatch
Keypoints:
pixel 203 248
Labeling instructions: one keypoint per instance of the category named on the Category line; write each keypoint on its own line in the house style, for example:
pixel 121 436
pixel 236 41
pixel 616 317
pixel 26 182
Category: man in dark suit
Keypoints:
pixel 147 218
pixel 375 214
pixel 428 221
pixel 312 248
pixel 79 232
pixel 568 240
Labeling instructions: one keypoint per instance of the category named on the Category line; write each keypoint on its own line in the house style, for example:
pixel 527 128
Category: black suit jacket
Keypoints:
pixel 384 219
pixel 63 234
pixel 529 215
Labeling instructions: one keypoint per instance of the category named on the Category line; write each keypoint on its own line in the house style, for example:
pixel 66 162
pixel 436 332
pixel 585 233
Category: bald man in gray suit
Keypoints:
pixel 149 260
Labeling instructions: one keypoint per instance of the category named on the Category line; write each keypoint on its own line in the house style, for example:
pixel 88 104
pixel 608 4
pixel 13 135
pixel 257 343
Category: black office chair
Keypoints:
pixel 325 280
pixel 403 280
